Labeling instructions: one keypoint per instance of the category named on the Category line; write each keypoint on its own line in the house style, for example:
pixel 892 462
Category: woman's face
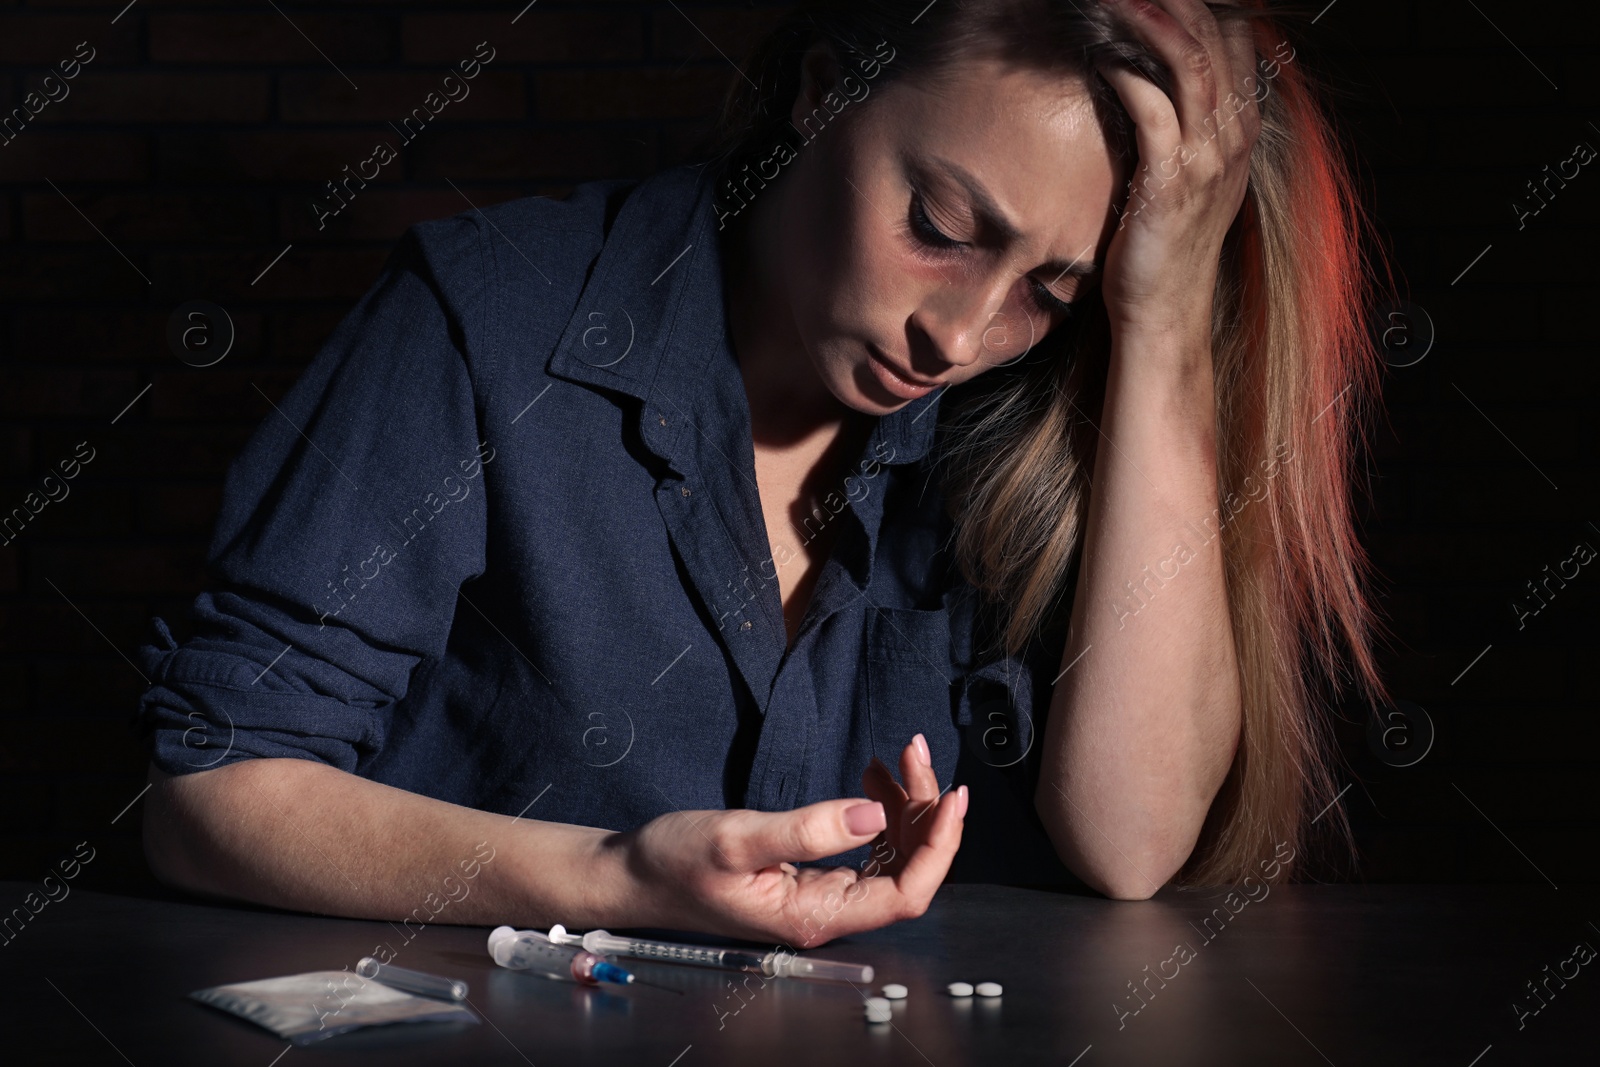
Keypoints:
pixel 863 252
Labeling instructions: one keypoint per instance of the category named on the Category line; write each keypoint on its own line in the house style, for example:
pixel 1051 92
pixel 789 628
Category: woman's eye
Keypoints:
pixel 925 230
pixel 931 235
pixel 1047 301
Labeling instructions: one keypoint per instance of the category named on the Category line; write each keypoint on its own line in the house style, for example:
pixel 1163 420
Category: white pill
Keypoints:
pixel 895 991
pixel 988 989
pixel 959 989
pixel 877 1010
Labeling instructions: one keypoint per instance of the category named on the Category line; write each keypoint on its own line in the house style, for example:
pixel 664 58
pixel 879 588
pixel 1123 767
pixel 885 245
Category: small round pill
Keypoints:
pixel 877 1010
pixel 895 991
pixel 988 989
pixel 959 989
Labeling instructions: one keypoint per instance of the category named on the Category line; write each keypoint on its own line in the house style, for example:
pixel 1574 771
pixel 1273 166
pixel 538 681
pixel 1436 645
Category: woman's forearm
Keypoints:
pixel 1144 723
pixel 305 836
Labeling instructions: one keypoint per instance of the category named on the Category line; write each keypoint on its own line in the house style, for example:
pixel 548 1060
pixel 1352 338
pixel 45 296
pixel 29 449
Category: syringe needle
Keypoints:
pixel 654 985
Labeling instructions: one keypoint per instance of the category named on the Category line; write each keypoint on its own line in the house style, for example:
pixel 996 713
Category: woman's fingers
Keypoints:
pixel 879 784
pixel 737 872
pixel 748 841
pixel 1155 129
pixel 818 905
pixel 921 784
pixel 929 861
pixel 1230 44
pixel 1240 38
pixel 916 772
pixel 827 907
pixel 751 840
pixel 1194 90
pixel 1214 86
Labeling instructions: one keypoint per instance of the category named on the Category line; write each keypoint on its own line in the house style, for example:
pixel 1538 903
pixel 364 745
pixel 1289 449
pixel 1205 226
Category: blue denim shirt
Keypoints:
pixel 501 544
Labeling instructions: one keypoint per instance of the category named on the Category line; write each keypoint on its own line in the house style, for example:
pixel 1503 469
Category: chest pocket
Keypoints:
pixel 909 690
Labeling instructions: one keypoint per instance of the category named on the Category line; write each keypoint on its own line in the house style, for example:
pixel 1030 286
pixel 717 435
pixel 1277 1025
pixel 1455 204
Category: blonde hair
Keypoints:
pixel 1295 368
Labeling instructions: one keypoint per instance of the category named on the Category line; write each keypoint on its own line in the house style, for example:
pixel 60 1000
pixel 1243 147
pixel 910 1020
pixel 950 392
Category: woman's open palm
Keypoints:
pixel 734 872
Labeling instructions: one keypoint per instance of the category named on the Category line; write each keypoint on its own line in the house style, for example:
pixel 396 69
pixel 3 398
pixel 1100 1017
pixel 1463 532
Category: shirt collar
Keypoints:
pixel 651 319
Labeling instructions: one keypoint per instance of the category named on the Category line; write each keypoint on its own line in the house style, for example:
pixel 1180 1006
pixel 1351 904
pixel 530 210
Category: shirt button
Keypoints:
pixel 745 625
pixel 685 490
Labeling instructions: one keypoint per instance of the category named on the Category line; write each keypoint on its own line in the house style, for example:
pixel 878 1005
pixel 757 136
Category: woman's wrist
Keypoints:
pixel 563 873
pixel 612 892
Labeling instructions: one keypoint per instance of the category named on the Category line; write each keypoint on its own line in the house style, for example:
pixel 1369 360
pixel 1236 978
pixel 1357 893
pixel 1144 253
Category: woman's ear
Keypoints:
pixel 819 73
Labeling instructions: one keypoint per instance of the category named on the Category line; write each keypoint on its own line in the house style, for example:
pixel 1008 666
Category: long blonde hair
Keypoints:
pixel 1296 373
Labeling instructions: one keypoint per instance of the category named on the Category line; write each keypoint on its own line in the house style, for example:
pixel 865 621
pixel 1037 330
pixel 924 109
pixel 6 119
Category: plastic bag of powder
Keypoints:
pixel 303 1008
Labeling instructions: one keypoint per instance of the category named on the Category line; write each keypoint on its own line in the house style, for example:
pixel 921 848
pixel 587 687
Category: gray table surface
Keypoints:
pixel 1308 974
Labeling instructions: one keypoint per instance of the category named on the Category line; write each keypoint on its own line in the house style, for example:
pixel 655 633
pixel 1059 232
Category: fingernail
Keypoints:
pixel 964 799
pixel 865 818
pixel 922 749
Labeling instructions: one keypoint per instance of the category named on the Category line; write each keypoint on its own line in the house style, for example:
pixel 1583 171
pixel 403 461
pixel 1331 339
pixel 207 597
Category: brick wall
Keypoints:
pixel 184 160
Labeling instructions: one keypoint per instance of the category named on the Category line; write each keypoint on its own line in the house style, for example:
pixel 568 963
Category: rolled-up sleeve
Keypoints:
pixel 348 523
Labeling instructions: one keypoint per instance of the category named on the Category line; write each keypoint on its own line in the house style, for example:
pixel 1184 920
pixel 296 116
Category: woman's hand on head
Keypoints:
pixel 1194 165
pixel 733 872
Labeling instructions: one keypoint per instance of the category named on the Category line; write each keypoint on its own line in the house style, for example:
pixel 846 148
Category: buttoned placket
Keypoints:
pixel 694 415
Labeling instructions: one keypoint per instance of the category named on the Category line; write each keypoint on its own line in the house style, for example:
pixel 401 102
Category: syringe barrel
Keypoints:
pixel 668 952
pixel 529 950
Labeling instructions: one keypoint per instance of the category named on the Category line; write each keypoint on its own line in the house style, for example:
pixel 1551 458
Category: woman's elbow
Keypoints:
pixel 1122 881
pixel 176 832
pixel 1133 889
pixel 161 835
pixel 1120 871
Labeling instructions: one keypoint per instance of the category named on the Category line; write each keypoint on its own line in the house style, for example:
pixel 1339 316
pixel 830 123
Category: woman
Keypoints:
pixel 611 538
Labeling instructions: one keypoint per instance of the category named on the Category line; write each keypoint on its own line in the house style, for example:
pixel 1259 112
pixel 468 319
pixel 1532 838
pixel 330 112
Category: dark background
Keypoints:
pixel 188 154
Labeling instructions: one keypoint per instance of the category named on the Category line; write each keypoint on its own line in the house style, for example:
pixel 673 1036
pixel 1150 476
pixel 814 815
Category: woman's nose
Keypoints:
pixel 970 324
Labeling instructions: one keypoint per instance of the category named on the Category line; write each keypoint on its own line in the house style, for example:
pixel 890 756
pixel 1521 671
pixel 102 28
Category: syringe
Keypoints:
pixel 773 964
pixel 529 950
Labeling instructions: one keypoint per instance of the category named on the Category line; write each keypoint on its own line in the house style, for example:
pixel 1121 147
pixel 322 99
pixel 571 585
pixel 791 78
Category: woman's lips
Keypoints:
pixel 891 379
